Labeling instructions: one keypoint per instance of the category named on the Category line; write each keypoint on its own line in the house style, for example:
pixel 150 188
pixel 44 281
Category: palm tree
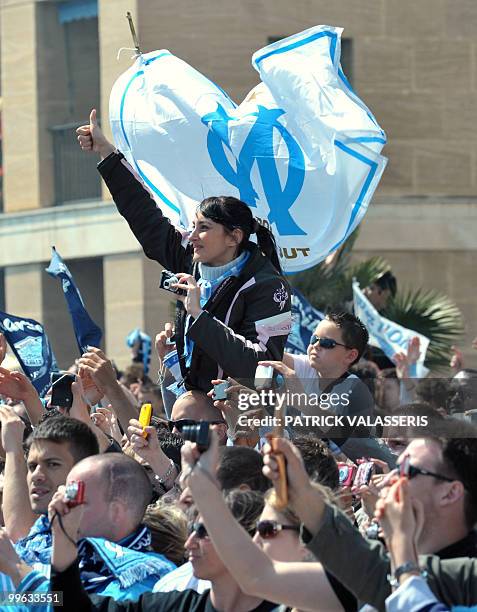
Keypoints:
pixel 328 286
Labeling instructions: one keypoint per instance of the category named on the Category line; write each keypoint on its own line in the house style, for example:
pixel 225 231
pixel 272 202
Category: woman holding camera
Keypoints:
pixel 236 307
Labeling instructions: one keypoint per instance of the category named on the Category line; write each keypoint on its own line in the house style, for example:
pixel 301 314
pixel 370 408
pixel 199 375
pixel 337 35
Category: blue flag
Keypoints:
pixel 86 331
pixel 30 344
pixel 305 318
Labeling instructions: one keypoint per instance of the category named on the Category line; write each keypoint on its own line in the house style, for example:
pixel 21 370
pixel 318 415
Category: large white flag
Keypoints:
pixel 302 149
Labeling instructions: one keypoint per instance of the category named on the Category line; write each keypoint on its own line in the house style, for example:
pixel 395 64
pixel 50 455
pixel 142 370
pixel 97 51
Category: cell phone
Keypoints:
pixel 346 474
pixel 220 391
pixel 145 417
pixel 263 377
pixel 61 393
pixel 171 340
pixel 74 493
pixel 364 473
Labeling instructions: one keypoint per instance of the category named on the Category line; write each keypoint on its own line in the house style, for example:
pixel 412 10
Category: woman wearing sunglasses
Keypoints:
pixel 224 595
pixel 278 535
pixel 278 569
pixel 233 289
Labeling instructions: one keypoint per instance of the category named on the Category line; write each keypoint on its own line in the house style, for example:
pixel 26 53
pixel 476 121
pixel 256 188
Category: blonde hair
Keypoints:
pixel 168 525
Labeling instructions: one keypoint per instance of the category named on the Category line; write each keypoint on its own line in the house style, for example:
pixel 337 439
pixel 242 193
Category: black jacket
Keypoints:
pixel 246 320
pixel 76 598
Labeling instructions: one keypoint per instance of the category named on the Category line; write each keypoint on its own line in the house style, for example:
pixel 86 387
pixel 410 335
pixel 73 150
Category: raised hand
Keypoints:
pixel 3 348
pixel 95 364
pixel 12 430
pixel 161 347
pixel 298 480
pixel 191 300
pixel 457 359
pixel 91 137
pixel 16 385
pixel 413 350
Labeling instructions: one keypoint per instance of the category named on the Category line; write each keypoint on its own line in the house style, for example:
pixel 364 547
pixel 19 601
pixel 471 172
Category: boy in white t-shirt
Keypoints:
pixel 323 376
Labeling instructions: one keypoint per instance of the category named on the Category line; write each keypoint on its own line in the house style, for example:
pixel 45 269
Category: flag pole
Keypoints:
pixel 133 33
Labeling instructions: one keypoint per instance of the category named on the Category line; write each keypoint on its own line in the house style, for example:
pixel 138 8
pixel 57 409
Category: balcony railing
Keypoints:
pixel 76 177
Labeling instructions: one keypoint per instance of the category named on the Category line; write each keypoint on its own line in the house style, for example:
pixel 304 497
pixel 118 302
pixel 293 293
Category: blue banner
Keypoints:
pixel 30 344
pixel 86 331
pixel 305 318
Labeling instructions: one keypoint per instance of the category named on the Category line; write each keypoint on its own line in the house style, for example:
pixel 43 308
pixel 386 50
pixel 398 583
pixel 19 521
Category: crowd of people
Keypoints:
pixel 264 480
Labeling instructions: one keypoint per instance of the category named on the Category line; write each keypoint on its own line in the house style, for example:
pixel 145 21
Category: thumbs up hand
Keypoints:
pixel 91 137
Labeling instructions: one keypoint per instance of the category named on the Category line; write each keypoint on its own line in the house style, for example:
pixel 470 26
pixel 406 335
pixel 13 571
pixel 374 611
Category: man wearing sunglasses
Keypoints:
pixel 440 477
pixel 194 406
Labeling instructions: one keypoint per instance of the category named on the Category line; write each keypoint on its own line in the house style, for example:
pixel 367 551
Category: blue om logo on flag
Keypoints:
pixel 302 150
pixel 258 147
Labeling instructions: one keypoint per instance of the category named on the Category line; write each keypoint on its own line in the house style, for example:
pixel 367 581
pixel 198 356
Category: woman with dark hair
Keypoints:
pixel 236 310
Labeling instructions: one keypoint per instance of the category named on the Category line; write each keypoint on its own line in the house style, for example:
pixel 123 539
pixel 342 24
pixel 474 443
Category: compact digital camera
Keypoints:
pixel 74 493
pixel 167 280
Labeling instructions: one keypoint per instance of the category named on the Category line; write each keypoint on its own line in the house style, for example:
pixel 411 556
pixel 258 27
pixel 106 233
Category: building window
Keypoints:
pixel 75 173
pixel 76 177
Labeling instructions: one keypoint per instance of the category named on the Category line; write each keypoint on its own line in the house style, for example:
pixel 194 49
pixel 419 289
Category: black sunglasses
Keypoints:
pixel 199 530
pixel 409 471
pixel 326 343
pixel 181 423
pixel 269 529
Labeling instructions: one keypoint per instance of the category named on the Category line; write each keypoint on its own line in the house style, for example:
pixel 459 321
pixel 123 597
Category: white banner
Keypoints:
pixel 390 337
pixel 302 150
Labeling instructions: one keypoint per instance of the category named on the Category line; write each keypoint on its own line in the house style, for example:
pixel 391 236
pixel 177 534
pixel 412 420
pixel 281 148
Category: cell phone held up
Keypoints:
pixel 350 475
pixel 61 393
pixel 167 280
pixel 145 417
pixel 74 493
pixel 220 391
pixel 363 476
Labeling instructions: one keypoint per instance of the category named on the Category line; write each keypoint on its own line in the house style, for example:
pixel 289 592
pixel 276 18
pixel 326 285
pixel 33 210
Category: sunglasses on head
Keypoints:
pixel 326 343
pixel 270 529
pixel 409 471
pixel 181 423
pixel 199 530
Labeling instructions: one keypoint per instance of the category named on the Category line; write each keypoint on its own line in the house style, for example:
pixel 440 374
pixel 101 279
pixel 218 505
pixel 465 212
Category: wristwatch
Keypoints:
pixel 405 568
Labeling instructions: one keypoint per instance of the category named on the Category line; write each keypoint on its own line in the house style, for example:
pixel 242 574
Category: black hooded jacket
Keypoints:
pixel 248 317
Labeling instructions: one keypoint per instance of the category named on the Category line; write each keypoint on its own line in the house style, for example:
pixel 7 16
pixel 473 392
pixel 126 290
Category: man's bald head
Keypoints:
pixel 197 406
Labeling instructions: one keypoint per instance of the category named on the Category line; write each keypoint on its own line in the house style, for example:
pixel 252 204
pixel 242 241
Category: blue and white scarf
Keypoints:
pixel 210 278
pixel 122 570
